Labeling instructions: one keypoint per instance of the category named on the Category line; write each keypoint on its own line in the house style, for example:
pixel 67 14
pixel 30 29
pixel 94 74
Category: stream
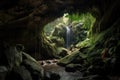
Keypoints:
pixel 50 66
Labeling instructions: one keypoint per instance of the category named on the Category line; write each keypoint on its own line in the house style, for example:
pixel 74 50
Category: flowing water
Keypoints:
pixel 52 67
pixel 68 37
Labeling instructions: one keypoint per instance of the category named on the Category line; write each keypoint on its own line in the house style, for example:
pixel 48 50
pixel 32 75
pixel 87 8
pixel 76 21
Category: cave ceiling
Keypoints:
pixel 20 18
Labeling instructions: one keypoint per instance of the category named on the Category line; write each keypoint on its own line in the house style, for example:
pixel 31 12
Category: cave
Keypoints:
pixel 27 54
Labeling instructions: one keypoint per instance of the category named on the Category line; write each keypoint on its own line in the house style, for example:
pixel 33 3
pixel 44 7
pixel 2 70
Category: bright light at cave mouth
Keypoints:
pixel 77 25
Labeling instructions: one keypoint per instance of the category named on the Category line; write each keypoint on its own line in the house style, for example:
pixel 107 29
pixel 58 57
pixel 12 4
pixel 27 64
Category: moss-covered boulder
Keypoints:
pixel 33 66
pixel 62 52
pixel 72 58
pixel 59 42
pixel 19 65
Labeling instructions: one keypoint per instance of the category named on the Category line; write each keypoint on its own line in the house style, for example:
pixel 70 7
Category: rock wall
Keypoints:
pixel 22 21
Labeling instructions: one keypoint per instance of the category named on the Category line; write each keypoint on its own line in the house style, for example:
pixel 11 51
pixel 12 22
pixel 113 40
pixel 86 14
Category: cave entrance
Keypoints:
pixel 70 31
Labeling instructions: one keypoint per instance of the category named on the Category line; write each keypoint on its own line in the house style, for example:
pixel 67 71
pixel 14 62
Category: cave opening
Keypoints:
pixel 71 31
pixel 31 51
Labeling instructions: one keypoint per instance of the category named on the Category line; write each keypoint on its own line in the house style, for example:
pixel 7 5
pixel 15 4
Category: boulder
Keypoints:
pixel 62 52
pixel 3 72
pixel 13 56
pixel 36 70
pixel 51 76
pixel 72 67
pixel 68 59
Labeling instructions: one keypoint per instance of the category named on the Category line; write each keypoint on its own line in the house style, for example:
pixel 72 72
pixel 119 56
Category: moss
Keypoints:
pixel 46 50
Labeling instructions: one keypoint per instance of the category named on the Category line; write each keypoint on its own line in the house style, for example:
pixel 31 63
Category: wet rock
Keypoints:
pixel 55 76
pixel 42 63
pixel 51 76
pixel 72 67
pixel 94 77
pixel 48 62
pixel 55 61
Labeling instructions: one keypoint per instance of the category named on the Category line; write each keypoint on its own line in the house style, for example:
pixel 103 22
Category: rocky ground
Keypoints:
pixel 56 72
pixel 53 71
pixel 21 66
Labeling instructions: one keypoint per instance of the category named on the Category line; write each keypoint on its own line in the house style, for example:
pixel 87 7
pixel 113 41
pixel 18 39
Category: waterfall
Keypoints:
pixel 68 37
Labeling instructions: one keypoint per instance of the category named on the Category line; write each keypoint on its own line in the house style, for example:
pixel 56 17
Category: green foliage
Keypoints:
pixel 69 58
pixel 49 28
pixel 86 18
pixel 75 17
pixel 57 40
pixel 81 26
pixel 84 43
pixel 100 38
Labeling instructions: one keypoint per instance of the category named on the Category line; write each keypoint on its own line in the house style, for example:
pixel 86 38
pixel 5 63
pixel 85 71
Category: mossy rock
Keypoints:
pixel 68 59
pixel 58 41
pixel 33 66
pixel 62 52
